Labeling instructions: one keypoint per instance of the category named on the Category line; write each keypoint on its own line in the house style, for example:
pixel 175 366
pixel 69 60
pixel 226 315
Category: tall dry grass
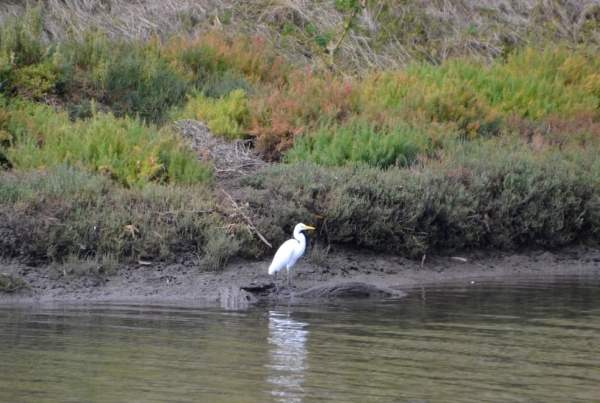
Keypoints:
pixel 384 34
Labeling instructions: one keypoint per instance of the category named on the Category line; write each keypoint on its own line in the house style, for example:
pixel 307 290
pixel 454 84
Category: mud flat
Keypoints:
pixel 246 282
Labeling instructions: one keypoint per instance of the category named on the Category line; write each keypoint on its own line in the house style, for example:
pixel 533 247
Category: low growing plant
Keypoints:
pixel 227 116
pixel 68 214
pixel 360 141
pixel 123 149
pixel 219 247
pixel 286 109
pixel 12 283
pixel 477 194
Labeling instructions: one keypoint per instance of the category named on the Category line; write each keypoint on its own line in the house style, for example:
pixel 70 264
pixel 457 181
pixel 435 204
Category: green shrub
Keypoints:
pixel 219 247
pixel 217 86
pixel 138 82
pixel 360 142
pixel 20 40
pixel 123 149
pixel 28 68
pixel 12 283
pixel 287 108
pixel 531 84
pixel 226 116
pixel 68 214
pixel 214 54
pixel 33 82
pixel 482 193
pixel 479 99
pixel 131 77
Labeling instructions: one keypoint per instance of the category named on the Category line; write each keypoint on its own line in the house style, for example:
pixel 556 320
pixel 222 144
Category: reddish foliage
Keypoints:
pixel 574 131
pixel 293 106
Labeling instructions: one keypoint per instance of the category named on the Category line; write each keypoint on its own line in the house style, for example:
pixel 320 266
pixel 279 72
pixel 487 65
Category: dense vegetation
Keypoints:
pixel 401 125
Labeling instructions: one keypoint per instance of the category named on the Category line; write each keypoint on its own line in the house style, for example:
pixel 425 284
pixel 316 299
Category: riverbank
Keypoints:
pixel 246 282
pixel 199 140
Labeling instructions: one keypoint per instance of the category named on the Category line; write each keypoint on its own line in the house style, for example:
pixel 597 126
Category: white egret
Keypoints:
pixel 289 253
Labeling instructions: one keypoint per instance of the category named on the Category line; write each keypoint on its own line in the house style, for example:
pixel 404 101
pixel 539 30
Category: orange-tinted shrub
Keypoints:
pixel 287 108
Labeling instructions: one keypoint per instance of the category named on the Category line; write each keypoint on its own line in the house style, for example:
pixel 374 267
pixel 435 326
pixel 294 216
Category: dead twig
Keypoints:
pixel 247 219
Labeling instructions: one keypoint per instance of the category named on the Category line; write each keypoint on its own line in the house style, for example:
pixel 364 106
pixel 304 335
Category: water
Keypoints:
pixel 488 342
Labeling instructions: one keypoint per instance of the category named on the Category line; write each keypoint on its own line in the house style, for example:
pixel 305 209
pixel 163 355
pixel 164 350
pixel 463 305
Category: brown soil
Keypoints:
pixel 246 282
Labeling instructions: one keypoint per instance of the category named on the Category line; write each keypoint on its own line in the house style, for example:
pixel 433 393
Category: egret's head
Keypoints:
pixel 302 227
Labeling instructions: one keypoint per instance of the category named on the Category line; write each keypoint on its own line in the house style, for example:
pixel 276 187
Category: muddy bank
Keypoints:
pixel 244 282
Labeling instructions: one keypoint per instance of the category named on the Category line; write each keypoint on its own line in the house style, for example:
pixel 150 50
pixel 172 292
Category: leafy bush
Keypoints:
pixel 130 77
pixel 458 98
pixel 217 250
pixel 123 149
pixel 27 67
pixel 481 193
pixel 217 86
pixel 360 142
pixel 531 84
pixel 12 283
pixel 226 116
pixel 288 108
pixel 68 214
pixel 33 82
pixel 537 84
pixel 479 99
pixel 214 54
pixel 127 77
pixel 20 40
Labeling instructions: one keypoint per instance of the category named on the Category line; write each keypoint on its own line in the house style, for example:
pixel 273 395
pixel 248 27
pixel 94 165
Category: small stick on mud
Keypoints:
pixel 423 261
pixel 247 219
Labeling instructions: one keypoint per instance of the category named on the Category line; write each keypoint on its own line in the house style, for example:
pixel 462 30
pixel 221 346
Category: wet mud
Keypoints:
pixel 346 273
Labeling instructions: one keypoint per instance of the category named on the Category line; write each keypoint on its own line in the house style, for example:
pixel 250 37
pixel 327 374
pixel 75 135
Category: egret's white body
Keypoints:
pixel 289 253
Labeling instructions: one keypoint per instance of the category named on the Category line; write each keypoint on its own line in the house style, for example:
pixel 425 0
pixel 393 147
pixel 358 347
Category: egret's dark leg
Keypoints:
pixel 289 286
pixel 276 286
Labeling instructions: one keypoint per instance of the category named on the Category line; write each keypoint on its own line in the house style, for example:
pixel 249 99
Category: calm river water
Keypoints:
pixel 481 342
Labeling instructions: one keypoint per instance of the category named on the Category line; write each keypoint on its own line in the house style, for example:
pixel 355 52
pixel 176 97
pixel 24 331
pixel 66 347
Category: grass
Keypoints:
pixel 76 265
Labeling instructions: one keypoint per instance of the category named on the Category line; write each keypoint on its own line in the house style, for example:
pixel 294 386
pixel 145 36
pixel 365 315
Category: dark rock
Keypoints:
pixel 258 287
pixel 349 290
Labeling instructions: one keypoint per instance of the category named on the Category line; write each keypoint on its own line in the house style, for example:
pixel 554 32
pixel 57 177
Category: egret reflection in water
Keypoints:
pixel 287 356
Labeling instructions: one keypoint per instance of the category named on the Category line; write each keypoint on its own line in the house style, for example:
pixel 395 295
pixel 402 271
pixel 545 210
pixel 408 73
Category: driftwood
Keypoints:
pixel 230 159
pixel 251 226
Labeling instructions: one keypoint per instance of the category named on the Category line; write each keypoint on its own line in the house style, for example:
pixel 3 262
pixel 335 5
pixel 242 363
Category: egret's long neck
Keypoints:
pixel 300 237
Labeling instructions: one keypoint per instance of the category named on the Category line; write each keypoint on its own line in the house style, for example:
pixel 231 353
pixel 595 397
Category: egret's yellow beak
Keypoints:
pixel 308 227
